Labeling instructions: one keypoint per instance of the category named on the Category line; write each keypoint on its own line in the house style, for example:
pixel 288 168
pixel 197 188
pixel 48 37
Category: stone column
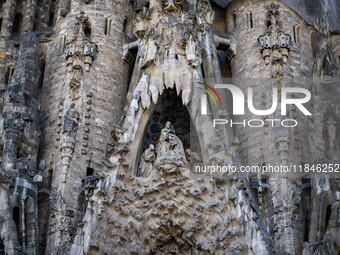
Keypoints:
pixel 3 62
pixel 6 32
pixel 43 14
pixel 11 143
pixel 8 230
pixel 7 23
pixel 29 17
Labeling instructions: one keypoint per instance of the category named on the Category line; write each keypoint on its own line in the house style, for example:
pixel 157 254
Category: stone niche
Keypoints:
pixel 331 135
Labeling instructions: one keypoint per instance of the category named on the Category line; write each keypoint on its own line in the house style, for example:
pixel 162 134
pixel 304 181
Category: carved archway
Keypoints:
pixel 168 108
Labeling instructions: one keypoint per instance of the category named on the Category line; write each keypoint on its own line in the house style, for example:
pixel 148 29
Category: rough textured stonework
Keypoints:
pixel 101 127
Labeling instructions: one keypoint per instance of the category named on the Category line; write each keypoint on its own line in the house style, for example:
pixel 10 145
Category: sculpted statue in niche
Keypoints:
pixel 168 157
pixel 331 129
pixel 325 63
pixel 70 126
pixel 170 152
pixel 74 86
pixel 166 141
pixel 147 160
pixel 71 120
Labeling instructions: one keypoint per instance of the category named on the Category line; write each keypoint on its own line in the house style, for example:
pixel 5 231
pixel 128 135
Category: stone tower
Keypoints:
pixel 103 127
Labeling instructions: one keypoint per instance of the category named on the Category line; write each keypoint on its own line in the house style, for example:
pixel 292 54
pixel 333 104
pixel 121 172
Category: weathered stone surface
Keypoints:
pixel 101 127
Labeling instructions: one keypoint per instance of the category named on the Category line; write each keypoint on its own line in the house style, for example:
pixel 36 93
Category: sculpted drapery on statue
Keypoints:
pixel 169 53
pixel 147 160
pixel 170 155
pixel 166 139
pixel 170 151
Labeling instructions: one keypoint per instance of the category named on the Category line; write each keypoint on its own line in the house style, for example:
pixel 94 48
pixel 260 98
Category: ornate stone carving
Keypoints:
pixel 331 130
pixel 274 44
pixel 89 185
pixel 282 143
pixel 146 165
pixel 169 52
pixel 325 66
pixel 149 220
pixel 70 127
pixel 79 50
pixel 144 217
pixel 170 152
pixel 86 127
pixel 74 89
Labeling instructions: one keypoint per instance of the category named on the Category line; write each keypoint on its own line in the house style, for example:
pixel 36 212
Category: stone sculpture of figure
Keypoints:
pixel 205 17
pixel 147 160
pixel 306 249
pixel 70 127
pixel 71 120
pixel 324 51
pixel 170 152
pixel 166 141
pixel 87 48
pixel 150 50
pixel 74 86
pixel 331 128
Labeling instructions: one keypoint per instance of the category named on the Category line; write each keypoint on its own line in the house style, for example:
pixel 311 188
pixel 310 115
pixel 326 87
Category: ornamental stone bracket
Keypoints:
pixel 127 49
pixel 275 44
pixel 283 144
pixel 225 43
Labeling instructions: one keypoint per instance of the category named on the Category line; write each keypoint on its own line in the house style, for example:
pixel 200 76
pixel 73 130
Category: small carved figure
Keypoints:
pixel 331 128
pixel 146 164
pixel 324 54
pixel 166 141
pixel 70 127
pixel 74 86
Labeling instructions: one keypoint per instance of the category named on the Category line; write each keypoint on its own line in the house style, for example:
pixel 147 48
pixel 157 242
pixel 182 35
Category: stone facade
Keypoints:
pixel 102 127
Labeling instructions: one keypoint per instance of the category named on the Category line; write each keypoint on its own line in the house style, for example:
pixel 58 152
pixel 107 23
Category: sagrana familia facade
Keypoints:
pixel 109 108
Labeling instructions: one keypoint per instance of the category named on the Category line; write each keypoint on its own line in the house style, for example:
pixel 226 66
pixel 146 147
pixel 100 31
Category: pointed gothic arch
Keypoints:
pixel 169 107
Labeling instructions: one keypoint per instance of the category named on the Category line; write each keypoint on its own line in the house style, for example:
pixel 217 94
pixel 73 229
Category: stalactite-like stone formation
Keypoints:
pixel 170 51
pixel 170 48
